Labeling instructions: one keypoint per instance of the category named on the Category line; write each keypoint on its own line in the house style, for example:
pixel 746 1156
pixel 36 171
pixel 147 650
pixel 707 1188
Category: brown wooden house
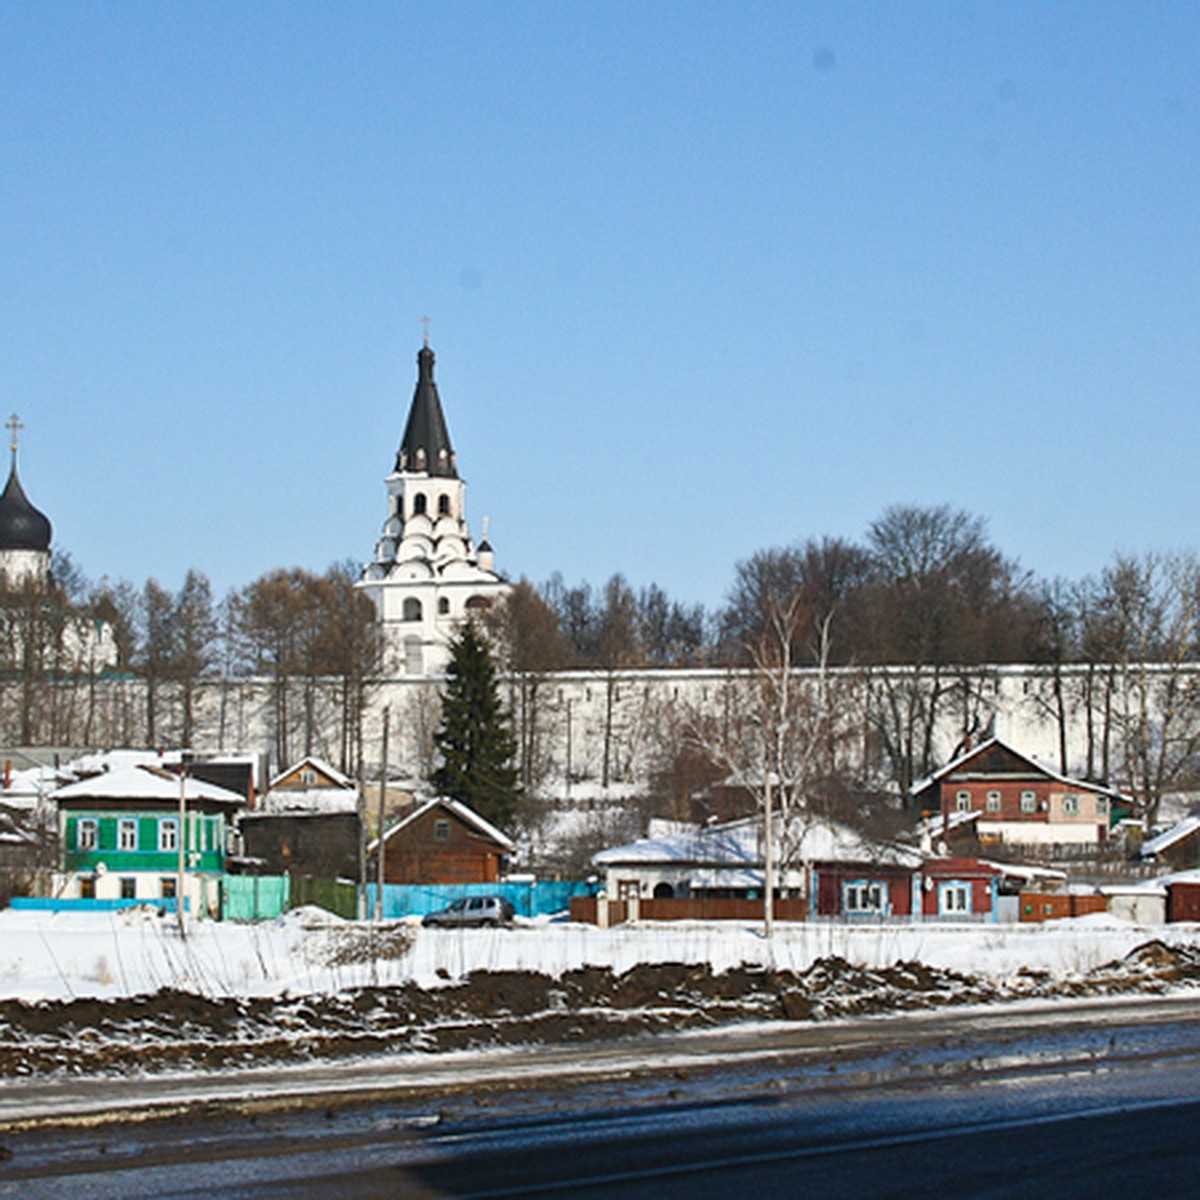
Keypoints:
pixel 1018 801
pixel 323 844
pixel 443 841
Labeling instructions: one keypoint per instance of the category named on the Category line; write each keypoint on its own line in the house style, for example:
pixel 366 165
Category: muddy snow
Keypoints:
pixel 124 992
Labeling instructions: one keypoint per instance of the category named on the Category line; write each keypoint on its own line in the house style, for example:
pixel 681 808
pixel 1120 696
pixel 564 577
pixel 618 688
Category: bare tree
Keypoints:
pixel 770 736
pixel 942 601
pixel 1153 603
pixel 524 633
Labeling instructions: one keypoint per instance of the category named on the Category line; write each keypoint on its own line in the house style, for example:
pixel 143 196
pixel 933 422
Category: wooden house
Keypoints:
pixel 1018 801
pixel 120 836
pixel 320 843
pixel 1177 847
pixel 442 841
pixel 309 774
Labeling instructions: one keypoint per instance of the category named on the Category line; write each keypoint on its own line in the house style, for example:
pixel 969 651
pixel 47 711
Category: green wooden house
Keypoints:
pixel 120 836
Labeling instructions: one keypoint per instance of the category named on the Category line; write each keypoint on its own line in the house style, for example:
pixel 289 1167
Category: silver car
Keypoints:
pixel 471 910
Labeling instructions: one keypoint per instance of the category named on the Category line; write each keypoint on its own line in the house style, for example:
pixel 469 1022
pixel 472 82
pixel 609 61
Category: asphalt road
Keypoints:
pixel 1093 1100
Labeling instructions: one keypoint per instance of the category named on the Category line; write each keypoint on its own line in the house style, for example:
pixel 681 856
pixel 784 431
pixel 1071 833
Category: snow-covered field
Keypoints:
pixel 47 956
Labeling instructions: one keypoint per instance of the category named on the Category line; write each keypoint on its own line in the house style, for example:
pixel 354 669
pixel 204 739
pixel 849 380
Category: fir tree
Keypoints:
pixel 475 735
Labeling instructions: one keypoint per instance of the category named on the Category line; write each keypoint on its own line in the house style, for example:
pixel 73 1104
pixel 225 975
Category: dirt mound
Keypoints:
pixel 173 1029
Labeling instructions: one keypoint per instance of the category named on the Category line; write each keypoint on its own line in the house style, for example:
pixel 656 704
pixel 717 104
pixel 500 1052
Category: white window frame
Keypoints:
pixel 1029 802
pixel 168 834
pixel 954 899
pixel 1070 805
pixel 865 898
pixel 1102 806
pixel 127 833
pixel 87 833
pixel 993 802
pixel 962 802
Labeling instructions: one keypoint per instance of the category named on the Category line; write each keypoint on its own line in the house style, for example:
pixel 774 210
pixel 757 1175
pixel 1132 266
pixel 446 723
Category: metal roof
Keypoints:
pixel 425 445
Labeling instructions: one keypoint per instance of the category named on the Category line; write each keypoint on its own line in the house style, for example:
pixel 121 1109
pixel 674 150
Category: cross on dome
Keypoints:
pixel 14 425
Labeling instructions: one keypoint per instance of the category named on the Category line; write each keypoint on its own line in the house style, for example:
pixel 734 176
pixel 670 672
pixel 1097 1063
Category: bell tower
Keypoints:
pixel 427 576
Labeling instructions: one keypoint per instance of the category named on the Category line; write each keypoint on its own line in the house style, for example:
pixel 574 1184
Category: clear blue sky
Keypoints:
pixel 702 278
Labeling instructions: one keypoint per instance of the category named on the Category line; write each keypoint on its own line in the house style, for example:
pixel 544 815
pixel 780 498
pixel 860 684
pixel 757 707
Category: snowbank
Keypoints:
pixel 136 952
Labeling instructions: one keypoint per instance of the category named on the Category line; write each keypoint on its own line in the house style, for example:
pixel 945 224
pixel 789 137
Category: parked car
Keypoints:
pixel 471 910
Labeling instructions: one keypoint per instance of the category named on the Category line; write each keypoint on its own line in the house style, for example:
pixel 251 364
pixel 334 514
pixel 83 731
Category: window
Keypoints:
pixel 443 506
pixel 962 802
pixel 413 657
pixel 864 898
pixel 166 887
pixel 412 609
pixel 87 888
pixel 441 830
pixel 443 606
pixel 420 504
pixel 993 802
pixel 954 899
pixel 127 831
pixel 308 776
pixel 87 834
pixel 168 834
pixel 1071 806
pixel 1102 806
pixel 128 888
pixel 1029 802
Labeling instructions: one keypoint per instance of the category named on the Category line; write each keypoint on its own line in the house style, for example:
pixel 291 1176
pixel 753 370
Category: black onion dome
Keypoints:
pixel 425 445
pixel 22 527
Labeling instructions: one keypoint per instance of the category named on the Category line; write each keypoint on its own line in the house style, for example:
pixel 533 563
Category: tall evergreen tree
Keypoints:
pixel 475 735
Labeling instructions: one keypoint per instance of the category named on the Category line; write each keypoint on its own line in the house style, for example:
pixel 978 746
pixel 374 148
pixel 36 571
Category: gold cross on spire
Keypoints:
pixel 14 426
pixel 425 322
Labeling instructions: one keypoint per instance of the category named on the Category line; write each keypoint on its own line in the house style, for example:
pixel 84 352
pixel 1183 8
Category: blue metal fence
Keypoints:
pixel 76 904
pixel 533 899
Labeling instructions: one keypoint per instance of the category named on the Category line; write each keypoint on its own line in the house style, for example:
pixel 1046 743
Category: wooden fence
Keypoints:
pixel 583 909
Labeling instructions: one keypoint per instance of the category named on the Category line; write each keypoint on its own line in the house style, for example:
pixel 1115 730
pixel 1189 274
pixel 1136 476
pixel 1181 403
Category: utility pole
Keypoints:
pixel 379 857
pixel 181 840
pixel 768 860
pixel 362 842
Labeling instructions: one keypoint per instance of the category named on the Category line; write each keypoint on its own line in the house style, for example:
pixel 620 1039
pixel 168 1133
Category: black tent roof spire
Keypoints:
pixel 425 445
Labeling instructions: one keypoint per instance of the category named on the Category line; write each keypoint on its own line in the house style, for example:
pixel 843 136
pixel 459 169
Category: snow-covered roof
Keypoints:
pixel 933 825
pixel 1190 876
pixel 1159 843
pixel 145 783
pixel 309 800
pixel 113 760
pixel 1022 871
pixel 468 815
pixel 736 843
pixel 1151 887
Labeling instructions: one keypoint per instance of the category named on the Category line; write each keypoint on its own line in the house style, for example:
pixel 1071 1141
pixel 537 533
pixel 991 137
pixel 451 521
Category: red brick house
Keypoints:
pixel 442 841
pixel 1018 801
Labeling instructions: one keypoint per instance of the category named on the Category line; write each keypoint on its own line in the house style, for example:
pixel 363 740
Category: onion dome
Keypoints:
pixel 22 527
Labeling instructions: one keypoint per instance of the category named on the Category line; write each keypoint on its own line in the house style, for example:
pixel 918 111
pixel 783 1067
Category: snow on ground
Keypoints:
pixel 136 952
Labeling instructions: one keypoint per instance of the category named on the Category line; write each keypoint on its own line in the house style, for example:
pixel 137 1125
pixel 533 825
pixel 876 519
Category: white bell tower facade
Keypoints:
pixel 427 577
